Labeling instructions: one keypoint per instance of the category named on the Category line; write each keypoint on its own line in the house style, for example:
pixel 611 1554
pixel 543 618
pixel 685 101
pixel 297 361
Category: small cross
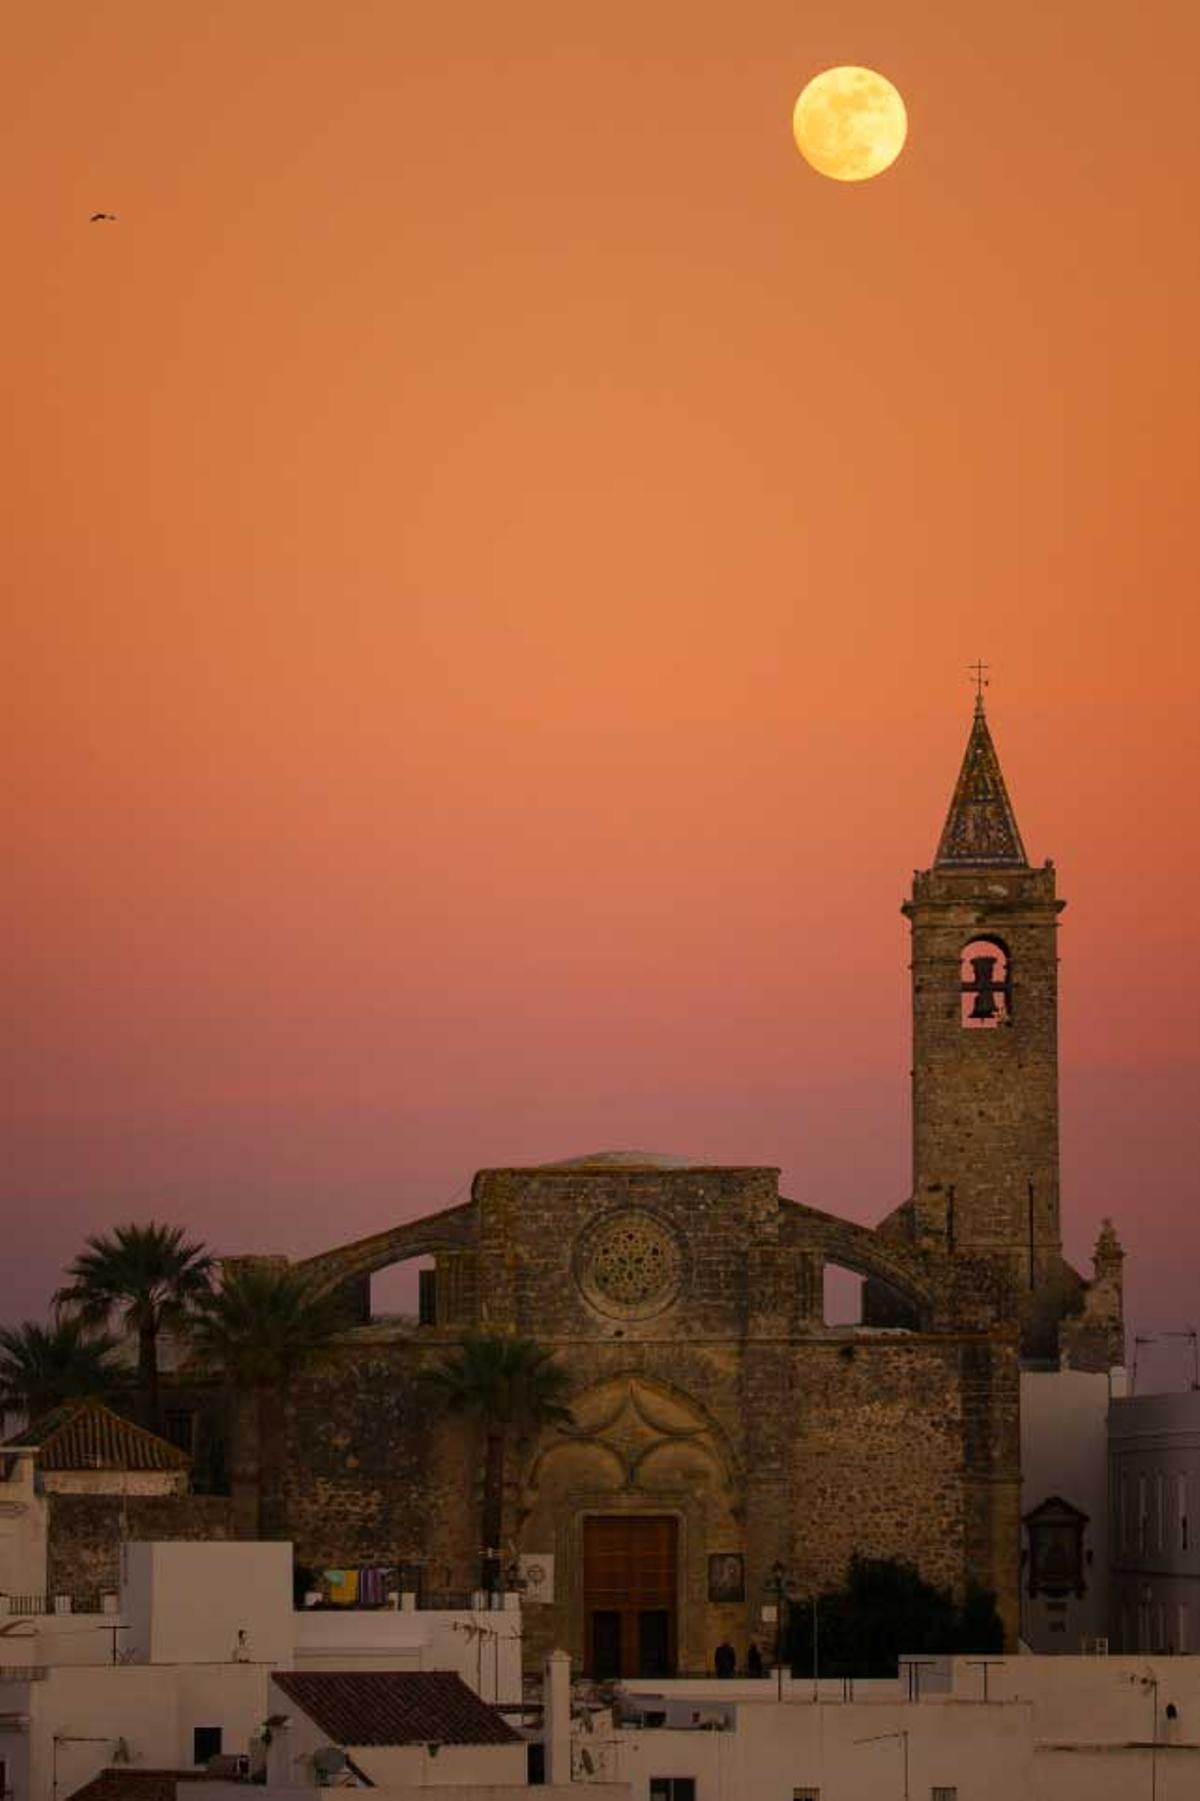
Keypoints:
pixel 979 675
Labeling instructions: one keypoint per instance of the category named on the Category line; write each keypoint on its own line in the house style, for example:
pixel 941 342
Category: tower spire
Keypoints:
pixel 981 827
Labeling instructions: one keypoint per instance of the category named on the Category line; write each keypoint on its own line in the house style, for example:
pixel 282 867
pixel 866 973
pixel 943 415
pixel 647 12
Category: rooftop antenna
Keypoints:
pixel 1193 1338
pixel 1190 1333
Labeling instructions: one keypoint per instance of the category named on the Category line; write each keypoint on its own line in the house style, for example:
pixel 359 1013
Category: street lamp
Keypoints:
pixel 779 1584
pixel 782 1586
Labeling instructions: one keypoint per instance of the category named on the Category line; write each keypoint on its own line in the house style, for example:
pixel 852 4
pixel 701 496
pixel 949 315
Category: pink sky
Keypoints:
pixel 493 546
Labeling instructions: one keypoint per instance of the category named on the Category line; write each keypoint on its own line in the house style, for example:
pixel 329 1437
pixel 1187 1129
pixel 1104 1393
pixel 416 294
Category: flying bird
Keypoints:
pixel 96 217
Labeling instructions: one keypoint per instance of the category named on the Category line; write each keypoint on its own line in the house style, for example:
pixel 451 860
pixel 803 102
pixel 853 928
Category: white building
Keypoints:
pixel 179 1671
pixel 1154 1461
pixel 996 1729
pixel 1065 1541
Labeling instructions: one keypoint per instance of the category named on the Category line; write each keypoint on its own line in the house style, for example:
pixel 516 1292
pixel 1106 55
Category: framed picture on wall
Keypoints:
pixel 726 1577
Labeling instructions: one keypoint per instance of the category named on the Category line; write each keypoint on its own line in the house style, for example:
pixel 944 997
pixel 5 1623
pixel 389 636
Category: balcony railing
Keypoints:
pixel 78 1601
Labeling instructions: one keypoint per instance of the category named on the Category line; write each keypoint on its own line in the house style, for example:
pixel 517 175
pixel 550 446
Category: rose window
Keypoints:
pixel 630 1265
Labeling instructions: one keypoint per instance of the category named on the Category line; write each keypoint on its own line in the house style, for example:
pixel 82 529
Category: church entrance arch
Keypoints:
pixel 630 1589
pixel 633 1502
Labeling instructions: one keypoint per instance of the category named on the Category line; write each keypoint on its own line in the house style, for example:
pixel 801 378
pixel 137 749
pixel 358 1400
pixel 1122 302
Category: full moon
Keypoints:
pixel 849 123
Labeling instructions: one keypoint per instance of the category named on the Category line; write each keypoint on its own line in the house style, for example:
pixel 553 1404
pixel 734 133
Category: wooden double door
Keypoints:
pixel 630 1594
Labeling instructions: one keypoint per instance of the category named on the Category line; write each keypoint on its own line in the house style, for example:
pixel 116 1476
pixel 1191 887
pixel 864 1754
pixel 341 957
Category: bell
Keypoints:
pixel 984 988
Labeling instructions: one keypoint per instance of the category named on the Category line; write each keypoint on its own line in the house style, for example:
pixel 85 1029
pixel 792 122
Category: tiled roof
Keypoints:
pixel 126 1784
pixel 981 827
pixel 87 1435
pixel 395 1707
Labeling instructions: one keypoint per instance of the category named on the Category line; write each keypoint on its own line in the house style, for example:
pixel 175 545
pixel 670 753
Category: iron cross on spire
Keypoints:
pixel 978 672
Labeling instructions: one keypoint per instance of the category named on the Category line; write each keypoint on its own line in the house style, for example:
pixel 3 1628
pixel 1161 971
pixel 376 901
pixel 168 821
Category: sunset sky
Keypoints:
pixel 493 543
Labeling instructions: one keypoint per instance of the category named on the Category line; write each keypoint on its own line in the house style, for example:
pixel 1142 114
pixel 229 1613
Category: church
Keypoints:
pixel 720 1425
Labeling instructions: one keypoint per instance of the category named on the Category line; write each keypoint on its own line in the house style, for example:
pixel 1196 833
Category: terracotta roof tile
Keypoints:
pixel 87 1435
pixel 395 1707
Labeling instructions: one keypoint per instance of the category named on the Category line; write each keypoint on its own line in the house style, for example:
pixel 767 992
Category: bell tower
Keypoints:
pixel 985 1040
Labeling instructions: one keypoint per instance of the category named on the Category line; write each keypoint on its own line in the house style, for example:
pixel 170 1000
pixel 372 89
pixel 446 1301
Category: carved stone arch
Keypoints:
pixel 454 1230
pixel 631 1414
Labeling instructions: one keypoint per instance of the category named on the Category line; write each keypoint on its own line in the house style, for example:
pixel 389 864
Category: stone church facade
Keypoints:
pixel 720 1424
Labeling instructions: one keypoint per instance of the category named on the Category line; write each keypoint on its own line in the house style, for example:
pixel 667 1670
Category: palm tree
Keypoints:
pixel 150 1278
pixel 42 1367
pixel 259 1329
pixel 509 1385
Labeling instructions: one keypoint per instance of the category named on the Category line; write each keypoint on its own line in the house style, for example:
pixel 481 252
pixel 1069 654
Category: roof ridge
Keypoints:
pixel 55 1427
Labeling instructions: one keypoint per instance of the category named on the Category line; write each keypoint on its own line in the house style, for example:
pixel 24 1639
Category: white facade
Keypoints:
pixel 22 1527
pixel 1051 1729
pixel 1154 1463
pixel 481 1646
pixel 194 1635
pixel 207 1602
pixel 62 1727
pixel 1064 1456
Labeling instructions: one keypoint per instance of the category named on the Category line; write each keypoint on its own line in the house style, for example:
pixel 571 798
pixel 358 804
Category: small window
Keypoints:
pixel 206 1743
pixel 943 1794
pixel 672 1788
pixel 806 1794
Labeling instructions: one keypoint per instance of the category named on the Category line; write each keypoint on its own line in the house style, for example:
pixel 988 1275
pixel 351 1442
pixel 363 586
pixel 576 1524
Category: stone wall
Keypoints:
pixel 985 1101
pixel 365 1473
pixel 86 1532
pixel 805 1450
pixel 685 1303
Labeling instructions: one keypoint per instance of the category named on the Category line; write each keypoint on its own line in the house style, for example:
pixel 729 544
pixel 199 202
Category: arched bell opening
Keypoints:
pixel 985 984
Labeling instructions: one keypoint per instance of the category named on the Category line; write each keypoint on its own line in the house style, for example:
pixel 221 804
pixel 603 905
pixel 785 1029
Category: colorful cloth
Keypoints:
pixel 343 1587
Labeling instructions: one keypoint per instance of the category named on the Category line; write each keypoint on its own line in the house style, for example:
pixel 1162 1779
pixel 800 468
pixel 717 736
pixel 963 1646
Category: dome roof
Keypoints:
pixel 622 1160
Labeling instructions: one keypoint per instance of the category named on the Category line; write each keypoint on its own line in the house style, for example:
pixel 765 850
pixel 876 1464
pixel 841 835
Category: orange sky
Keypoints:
pixel 493 544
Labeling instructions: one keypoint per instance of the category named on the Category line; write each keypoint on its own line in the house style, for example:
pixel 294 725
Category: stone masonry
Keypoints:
pixel 685 1303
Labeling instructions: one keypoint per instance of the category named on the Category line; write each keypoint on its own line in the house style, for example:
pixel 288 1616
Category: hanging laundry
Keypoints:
pixel 372 1587
pixel 344 1591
